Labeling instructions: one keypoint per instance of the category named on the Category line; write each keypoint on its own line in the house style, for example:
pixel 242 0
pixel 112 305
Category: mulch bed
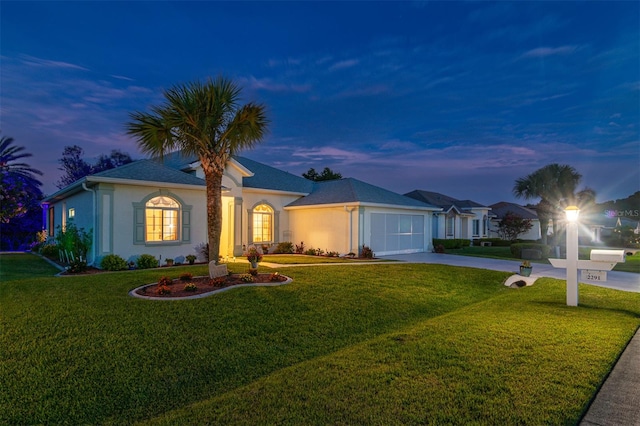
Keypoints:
pixel 203 285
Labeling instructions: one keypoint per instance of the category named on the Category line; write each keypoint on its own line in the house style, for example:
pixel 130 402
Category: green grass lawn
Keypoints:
pixel 385 343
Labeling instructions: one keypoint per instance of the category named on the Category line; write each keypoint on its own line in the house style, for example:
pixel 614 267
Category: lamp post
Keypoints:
pixel 572 213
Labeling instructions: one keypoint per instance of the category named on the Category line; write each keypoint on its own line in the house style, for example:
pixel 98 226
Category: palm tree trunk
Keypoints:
pixel 213 178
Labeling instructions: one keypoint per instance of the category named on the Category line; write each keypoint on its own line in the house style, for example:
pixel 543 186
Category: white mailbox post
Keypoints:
pixel 594 269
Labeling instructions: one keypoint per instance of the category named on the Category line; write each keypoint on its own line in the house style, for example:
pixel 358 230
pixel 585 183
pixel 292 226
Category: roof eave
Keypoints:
pixel 362 204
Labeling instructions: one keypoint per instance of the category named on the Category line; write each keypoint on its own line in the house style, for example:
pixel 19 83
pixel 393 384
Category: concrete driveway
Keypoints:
pixel 625 281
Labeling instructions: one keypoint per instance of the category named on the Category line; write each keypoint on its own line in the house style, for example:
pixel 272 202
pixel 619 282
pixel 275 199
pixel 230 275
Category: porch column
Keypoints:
pixel 237 226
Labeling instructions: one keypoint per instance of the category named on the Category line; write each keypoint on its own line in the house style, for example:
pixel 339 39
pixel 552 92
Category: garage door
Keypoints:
pixel 396 233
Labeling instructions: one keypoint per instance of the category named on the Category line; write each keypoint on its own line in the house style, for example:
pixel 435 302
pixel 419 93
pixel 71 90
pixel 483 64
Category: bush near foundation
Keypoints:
pixel 516 249
pixel 146 261
pixel 456 243
pixel 113 262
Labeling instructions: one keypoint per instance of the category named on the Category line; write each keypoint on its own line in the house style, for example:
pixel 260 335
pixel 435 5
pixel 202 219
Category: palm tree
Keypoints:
pixel 9 155
pixel 18 185
pixel 206 120
pixel 555 185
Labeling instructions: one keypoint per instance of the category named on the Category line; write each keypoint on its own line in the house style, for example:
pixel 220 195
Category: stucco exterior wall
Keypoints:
pixel 326 228
pixel 116 221
pixel 277 201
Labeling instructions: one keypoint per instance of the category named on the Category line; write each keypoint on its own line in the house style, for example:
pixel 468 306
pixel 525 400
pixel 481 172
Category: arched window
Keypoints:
pixel 262 224
pixel 161 219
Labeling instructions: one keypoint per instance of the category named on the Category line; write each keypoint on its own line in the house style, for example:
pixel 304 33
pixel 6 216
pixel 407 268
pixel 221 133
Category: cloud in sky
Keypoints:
pixel 397 94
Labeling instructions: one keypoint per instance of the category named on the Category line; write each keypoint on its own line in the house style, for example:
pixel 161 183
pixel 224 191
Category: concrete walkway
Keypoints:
pixel 617 403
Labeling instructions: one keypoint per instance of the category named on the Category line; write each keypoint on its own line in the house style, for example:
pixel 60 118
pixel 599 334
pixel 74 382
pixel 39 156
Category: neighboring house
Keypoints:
pixel 464 219
pixel 159 208
pixel 499 212
pixel 602 226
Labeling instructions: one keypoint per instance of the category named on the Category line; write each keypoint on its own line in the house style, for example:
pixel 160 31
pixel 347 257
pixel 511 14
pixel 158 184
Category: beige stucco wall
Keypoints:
pixel 325 228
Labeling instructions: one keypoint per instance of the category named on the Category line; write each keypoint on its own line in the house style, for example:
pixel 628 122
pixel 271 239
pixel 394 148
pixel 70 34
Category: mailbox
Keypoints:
pixel 617 256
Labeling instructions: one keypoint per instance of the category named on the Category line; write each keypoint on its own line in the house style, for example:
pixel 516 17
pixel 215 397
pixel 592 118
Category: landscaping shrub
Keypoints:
pixel 113 262
pixel 146 261
pixel 516 249
pixel 165 281
pixel 203 251
pixel 300 248
pixel 77 265
pixel 456 243
pixel 285 247
pixel 74 241
pixel 495 242
pixel 366 252
pixel 186 276
pixel 50 251
pixel 190 287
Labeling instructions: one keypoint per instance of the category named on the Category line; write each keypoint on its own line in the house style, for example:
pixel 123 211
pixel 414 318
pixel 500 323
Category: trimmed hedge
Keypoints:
pixel 457 243
pixel 495 242
pixel 516 249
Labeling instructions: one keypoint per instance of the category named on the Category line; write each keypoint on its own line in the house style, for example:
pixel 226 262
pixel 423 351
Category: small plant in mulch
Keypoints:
pixel 247 278
pixel 165 281
pixel 190 287
pixel 163 289
pixel 218 281
pixel 276 277
pixel 187 276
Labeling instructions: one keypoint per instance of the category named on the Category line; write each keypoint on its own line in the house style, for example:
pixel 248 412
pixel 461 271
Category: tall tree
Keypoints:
pixel 555 185
pixel 75 167
pixel 327 174
pixel 18 185
pixel 203 119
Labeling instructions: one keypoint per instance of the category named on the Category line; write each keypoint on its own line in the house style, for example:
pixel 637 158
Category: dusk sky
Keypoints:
pixel 453 97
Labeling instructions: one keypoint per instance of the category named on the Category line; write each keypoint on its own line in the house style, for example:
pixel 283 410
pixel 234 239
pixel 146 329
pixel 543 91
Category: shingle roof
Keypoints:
pixel 267 177
pixel 501 209
pixel 177 160
pixel 152 171
pixel 441 200
pixel 351 190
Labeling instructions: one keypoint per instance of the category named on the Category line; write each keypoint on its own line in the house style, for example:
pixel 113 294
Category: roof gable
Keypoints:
pixel 501 209
pixel 444 201
pixel 151 171
pixel 267 177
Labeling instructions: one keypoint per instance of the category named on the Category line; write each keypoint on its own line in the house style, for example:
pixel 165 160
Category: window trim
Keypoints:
pixel 271 215
pixel 183 230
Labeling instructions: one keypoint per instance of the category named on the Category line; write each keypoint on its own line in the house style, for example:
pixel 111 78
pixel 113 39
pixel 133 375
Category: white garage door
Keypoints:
pixel 393 233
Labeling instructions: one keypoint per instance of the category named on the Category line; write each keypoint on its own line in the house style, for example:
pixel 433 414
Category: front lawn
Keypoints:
pixel 384 343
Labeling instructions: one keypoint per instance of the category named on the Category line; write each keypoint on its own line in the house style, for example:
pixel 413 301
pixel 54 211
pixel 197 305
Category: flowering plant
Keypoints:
pixel 254 254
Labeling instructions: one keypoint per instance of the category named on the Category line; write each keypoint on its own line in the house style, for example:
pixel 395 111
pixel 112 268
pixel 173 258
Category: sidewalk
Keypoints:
pixel 617 403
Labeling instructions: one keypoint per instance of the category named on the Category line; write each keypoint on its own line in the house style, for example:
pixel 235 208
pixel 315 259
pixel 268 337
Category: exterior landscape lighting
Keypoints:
pixel 572 213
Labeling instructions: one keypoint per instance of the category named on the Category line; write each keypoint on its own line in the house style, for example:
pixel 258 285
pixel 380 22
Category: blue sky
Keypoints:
pixel 453 97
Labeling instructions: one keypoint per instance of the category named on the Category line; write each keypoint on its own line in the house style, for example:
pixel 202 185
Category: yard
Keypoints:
pixel 384 343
